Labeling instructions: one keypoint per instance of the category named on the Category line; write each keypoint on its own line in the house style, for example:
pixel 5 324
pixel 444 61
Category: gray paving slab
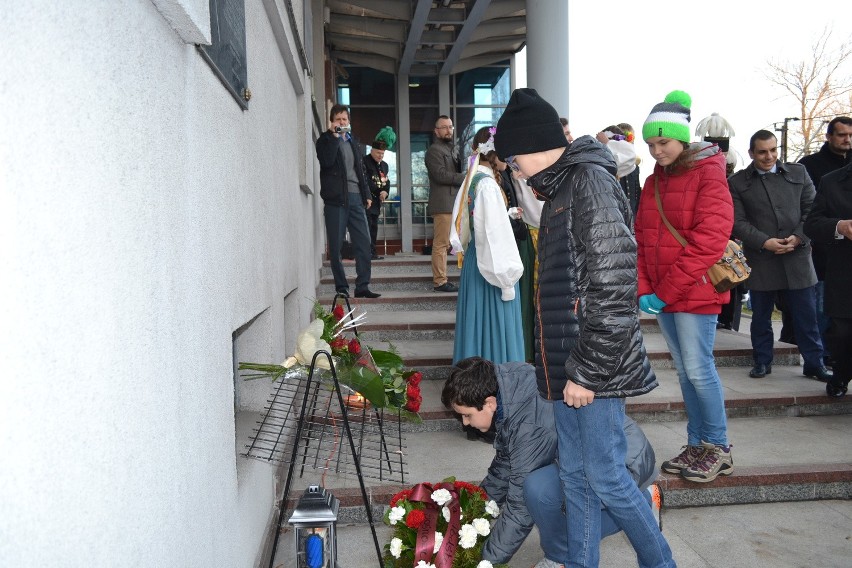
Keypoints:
pixel 758 442
pixel 777 535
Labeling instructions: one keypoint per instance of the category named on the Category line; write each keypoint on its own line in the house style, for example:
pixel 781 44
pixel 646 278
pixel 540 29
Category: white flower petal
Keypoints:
pixel 482 526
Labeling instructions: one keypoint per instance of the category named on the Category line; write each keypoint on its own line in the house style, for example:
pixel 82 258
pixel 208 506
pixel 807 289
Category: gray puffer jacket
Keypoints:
pixel 526 441
pixel 587 321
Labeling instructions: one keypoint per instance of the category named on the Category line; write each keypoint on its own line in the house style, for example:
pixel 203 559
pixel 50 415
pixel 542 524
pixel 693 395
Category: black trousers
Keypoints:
pixel 839 339
pixel 373 221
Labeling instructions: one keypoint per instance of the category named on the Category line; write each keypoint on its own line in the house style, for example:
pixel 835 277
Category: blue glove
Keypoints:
pixel 651 303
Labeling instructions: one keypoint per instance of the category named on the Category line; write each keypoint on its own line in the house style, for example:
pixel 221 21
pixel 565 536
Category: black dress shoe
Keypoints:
pixel 366 294
pixel 759 371
pixel 819 373
pixel 447 287
pixel 377 257
pixel 834 390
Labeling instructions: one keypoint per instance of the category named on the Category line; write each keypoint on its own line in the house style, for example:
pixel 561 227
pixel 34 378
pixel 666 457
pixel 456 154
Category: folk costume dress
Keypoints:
pixel 488 313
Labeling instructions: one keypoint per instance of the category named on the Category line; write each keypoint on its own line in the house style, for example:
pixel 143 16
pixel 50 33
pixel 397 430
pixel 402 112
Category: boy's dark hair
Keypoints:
pixel 337 109
pixel 760 135
pixel 472 381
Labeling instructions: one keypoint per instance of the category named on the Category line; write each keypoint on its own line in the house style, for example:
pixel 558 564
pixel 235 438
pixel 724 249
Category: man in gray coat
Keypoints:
pixel 445 178
pixel 522 478
pixel 771 203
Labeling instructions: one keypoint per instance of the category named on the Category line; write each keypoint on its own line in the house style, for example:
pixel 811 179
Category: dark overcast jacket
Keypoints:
pixel 587 321
pixel 334 184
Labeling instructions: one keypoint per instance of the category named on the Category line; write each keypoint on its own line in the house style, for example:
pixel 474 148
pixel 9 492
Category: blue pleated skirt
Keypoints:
pixel 486 326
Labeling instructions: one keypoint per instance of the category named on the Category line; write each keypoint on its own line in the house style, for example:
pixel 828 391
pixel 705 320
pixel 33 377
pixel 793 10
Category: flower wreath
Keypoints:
pixel 441 525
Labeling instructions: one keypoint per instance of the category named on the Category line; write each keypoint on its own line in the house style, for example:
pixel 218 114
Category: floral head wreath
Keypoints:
pixel 488 145
pixel 612 136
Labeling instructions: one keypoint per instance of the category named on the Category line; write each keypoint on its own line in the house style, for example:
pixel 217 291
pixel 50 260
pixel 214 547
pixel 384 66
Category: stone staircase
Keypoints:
pixel 790 440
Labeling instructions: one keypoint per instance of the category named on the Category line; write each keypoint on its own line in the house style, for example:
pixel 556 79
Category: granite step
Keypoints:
pixel 392 326
pixel 396 264
pixel 434 356
pixel 408 311
pixel 387 282
pixel 399 301
pixel 786 392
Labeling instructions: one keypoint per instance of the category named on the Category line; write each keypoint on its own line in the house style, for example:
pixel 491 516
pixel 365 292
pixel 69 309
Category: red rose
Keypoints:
pixel 412 391
pixel 415 519
pixel 415 378
pixel 413 404
pixel 354 346
pixel 338 343
pixel 337 312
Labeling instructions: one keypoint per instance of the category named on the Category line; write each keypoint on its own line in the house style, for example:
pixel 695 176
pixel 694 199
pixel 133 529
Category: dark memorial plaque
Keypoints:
pixel 227 53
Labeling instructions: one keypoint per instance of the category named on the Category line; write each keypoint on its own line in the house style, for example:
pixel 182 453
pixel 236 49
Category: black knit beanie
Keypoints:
pixel 528 125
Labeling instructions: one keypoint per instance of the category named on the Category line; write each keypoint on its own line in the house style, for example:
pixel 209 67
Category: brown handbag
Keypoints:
pixel 729 270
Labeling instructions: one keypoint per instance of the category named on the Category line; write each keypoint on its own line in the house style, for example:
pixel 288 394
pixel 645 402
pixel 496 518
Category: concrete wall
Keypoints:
pixel 144 219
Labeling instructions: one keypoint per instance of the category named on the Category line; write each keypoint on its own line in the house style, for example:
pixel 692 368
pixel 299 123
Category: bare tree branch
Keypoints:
pixel 821 85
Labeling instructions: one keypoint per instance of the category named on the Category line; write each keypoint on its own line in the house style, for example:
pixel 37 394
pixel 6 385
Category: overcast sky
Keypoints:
pixel 715 51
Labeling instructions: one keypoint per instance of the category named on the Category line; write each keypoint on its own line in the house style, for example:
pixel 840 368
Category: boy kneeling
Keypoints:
pixel 523 478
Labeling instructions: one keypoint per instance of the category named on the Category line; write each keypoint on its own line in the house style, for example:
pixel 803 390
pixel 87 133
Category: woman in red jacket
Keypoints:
pixel 673 283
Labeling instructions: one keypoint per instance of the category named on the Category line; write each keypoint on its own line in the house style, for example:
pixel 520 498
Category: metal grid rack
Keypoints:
pixel 322 443
pixel 321 429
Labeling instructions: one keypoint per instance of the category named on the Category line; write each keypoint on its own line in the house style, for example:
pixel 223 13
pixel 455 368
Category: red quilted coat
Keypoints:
pixel 698 204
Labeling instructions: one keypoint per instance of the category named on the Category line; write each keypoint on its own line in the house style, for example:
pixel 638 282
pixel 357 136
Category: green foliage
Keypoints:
pixel 366 382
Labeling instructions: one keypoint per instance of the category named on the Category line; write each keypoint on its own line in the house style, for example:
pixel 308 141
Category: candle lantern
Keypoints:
pixel 314 521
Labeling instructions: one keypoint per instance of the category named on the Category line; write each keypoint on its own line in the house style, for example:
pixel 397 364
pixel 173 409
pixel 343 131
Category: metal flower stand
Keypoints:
pixel 311 433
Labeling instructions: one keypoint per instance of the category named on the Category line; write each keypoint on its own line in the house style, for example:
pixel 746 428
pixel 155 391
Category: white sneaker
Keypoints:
pixel 547 563
pixel 656 503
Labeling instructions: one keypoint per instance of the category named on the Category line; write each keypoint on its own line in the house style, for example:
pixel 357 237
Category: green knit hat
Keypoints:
pixel 670 118
pixel 385 139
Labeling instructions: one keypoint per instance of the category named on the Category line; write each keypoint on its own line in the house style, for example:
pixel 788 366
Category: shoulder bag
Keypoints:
pixel 729 270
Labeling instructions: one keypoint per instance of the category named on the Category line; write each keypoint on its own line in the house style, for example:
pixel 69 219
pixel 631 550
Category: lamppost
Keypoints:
pixel 783 131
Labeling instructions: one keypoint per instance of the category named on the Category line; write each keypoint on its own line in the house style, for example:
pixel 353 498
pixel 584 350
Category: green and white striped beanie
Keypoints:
pixel 670 118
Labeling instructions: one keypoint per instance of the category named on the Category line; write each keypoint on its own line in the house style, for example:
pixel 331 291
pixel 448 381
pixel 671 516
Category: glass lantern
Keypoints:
pixel 314 521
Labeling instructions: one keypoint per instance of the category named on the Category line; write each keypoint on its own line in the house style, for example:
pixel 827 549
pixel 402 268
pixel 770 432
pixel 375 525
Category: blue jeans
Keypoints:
pixel 545 502
pixel 592 450
pixel 690 338
pixel 338 218
pixel 802 307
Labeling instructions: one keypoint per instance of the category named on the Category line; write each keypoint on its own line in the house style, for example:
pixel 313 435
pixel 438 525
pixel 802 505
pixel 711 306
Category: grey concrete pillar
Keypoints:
pixel 403 162
pixel 547 51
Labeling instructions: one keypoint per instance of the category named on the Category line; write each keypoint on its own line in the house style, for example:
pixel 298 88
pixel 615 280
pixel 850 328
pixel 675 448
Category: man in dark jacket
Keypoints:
pixel 830 223
pixel 771 202
pixel 376 170
pixel 344 191
pixel 835 153
pixel 589 349
pixel 522 478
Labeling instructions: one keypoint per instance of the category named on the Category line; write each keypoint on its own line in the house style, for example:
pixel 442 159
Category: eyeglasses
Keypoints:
pixel 510 161
pixel 450 127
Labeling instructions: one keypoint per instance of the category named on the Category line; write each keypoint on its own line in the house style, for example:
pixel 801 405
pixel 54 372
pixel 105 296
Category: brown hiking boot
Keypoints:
pixel 683 460
pixel 716 461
